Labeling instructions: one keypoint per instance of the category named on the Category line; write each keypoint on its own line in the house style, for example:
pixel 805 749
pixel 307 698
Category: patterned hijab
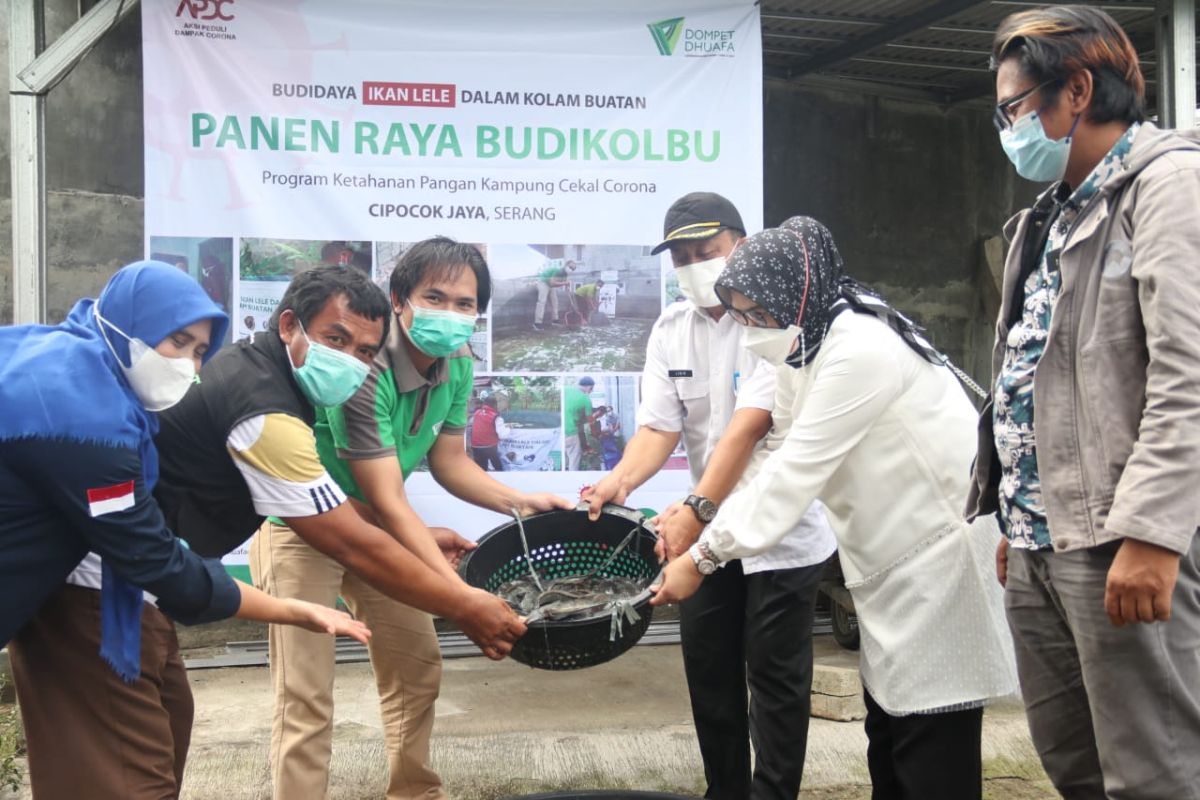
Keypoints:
pixel 797 275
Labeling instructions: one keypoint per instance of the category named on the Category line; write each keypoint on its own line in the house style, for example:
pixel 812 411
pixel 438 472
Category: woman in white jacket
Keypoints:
pixel 870 421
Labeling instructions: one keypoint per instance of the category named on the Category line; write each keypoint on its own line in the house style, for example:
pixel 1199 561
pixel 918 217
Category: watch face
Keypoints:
pixel 704 508
pixel 706 567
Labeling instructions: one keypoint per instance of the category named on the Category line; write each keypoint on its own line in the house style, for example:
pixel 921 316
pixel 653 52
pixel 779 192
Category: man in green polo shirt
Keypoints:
pixel 577 413
pixel 587 299
pixel 554 274
pixel 412 406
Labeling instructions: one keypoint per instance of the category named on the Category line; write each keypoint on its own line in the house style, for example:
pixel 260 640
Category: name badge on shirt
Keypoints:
pixel 679 373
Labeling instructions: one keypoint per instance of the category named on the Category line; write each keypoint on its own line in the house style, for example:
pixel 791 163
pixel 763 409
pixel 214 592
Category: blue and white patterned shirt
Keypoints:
pixel 1021 508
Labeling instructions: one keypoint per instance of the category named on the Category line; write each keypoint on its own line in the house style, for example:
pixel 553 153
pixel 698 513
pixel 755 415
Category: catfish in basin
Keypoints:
pixel 576 597
pixel 563 599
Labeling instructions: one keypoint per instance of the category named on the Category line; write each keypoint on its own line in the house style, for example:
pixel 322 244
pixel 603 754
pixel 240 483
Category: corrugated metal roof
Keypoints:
pixel 935 50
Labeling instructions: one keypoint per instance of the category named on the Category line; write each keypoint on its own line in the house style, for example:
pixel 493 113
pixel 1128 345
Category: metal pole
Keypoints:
pixel 1177 63
pixel 27 117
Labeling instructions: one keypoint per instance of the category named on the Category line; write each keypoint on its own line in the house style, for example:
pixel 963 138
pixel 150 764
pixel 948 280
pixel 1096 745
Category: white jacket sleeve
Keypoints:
pixel 852 384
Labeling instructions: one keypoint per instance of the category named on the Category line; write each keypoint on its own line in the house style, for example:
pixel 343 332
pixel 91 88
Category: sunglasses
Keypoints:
pixel 1002 116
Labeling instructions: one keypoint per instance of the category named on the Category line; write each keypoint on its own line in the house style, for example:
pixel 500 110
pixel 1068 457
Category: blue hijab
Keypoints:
pixel 64 383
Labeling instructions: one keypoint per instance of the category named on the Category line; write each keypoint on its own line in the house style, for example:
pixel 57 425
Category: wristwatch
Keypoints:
pixel 702 507
pixel 702 557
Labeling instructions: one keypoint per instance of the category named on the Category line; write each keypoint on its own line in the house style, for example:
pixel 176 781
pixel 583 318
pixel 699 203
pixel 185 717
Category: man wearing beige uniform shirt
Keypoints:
pixel 752 623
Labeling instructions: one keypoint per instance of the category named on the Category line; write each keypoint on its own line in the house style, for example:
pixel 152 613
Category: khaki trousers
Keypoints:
pixel 404 657
pixel 574 450
pixel 546 294
pixel 89 734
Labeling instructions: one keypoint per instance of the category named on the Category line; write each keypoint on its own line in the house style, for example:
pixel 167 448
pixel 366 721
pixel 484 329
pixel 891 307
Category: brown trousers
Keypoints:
pixel 404 657
pixel 89 733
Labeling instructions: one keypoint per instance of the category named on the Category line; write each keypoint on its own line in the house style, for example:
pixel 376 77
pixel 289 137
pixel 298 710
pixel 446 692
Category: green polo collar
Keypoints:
pixel 395 356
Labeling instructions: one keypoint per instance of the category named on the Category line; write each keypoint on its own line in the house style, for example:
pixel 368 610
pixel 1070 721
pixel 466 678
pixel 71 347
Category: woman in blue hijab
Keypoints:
pixel 78 405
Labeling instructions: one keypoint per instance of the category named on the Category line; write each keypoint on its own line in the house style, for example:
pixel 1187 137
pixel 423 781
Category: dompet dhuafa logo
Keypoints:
pixel 697 42
pixel 666 34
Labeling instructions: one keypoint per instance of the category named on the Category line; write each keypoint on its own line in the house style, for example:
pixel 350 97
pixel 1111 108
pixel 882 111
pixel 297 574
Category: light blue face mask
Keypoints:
pixel 439 333
pixel 328 377
pixel 1036 156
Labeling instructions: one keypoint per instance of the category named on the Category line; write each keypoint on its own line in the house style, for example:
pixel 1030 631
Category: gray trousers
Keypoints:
pixel 1114 712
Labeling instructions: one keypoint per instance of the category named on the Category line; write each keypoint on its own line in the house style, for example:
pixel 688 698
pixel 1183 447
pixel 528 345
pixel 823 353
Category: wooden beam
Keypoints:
pixel 797 16
pixel 1103 6
pixel 883 34
pixel 866 22
pixel 938 65
pixel 864 87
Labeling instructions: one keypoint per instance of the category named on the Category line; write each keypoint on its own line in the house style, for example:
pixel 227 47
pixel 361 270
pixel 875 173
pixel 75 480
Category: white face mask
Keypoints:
pixel 696 281
pixel 772 345
pixel 159 382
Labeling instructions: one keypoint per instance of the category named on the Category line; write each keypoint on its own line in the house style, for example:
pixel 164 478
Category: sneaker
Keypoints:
pixel 537 327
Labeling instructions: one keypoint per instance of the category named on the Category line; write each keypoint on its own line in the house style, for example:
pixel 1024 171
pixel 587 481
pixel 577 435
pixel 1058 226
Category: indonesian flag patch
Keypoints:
pixel 110 499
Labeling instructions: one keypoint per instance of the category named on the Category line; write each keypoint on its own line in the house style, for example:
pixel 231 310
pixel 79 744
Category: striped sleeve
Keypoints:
pixel 277 456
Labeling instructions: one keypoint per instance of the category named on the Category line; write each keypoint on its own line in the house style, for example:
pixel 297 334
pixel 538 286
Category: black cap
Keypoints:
pixel 699 215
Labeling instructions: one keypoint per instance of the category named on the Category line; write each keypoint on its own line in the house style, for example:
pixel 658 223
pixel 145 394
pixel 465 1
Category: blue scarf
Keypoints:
pixel 64 383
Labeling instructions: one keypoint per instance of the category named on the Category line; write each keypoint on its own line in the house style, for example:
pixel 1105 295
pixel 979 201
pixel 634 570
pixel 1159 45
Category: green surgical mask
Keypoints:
pixel 439 333
pixel 328 377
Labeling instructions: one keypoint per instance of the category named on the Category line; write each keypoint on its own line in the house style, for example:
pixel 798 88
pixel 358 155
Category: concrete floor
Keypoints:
pixel 505 730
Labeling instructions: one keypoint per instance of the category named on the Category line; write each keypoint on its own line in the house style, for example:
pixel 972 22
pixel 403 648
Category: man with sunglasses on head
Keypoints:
pixel 1090 448
pixel 751 622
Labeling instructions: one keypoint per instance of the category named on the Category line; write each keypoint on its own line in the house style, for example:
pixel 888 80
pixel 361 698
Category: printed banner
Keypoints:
pixel 285 135
pixel 256 305
pixel 530 450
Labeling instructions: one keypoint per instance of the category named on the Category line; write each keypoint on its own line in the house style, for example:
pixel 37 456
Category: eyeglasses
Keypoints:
pixel 1002 116
pixel 756 317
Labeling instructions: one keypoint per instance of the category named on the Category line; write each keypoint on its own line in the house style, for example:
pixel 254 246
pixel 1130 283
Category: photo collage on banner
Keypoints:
pixel 209 261
pixel 267 266
pixel 587 309
pixel 552 138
